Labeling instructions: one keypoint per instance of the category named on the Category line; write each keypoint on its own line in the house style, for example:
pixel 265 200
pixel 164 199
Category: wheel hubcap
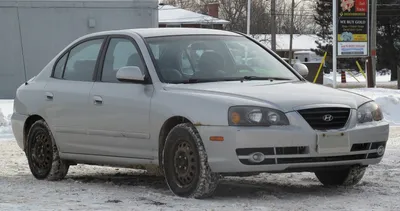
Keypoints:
pixel 42 153
pixel 185 163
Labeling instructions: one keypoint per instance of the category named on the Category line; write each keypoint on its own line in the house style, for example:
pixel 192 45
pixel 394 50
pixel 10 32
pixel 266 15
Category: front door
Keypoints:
pixel 119 115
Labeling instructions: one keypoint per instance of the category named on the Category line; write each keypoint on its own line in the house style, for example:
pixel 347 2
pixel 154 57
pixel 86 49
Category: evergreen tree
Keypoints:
pixel 388 36
pixel 323 18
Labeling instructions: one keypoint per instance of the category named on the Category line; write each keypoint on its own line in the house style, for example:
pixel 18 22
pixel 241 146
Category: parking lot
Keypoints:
pixel 105 188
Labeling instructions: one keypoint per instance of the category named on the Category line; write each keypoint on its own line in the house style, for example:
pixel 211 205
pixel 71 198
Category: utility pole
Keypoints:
pixel 334 46
pixel 273 25
pixel 291 34
pixel 373 42
pixel 248 16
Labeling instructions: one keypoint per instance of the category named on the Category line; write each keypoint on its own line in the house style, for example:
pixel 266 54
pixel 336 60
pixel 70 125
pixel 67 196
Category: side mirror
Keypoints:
pixel 302 69
pixel 130 74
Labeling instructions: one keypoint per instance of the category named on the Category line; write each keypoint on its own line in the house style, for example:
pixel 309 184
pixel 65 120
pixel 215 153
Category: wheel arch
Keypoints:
pixel 28 124
pixel 165 129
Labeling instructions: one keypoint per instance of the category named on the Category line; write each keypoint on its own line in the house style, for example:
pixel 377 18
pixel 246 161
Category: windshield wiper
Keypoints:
pixel 197 80
pixel 245 78
pixel 250 78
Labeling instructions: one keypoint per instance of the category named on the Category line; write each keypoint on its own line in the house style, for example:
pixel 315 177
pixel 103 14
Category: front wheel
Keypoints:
pixel 42 154
pixel 185 164
pixel 343 177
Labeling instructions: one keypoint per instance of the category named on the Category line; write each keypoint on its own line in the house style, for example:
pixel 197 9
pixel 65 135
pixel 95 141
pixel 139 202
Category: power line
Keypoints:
pixel 303 10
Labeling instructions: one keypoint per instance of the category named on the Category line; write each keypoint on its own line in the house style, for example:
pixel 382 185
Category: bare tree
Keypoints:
pixel 235 11
pixel 184 4
pixel 303 20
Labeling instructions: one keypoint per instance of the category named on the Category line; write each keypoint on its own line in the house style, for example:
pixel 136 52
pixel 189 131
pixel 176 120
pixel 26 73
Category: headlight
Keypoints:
pixel 369 112
pixel 256 116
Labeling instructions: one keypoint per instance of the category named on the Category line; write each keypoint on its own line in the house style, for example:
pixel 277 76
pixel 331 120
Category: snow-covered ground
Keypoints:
pixel 104 188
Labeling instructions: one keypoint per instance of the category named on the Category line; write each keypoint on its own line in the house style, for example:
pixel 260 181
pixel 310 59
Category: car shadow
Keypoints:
pixel 244 188
pixel 231 187
pixel 123 179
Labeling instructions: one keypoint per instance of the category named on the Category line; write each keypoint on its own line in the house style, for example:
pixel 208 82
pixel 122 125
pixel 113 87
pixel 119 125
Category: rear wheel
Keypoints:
pixel 185 164
pixel 343 177
pixel 42 154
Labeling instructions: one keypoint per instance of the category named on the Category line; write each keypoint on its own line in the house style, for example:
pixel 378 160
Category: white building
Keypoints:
pixel 301 43
pixel 170 16
pixel 33 31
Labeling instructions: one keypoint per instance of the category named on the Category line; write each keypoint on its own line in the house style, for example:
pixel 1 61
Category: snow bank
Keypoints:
pixel 6 109
pixel 3 121
pixel 388 100
pixel 358 78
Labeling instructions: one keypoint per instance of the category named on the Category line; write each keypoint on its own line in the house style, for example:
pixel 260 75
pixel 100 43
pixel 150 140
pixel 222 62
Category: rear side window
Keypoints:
pixel 59 68
pixel 82 61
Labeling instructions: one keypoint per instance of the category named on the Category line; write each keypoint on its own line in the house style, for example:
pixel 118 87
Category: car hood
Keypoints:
pixel 284 95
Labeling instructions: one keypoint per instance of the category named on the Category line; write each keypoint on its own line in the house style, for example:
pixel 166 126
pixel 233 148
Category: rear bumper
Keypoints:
pixel 17 124
pixel 288 148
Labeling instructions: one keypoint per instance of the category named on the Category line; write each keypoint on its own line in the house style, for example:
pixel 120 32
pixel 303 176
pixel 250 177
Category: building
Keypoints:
pixel 301 42
pixel 33 31
pixel 170 16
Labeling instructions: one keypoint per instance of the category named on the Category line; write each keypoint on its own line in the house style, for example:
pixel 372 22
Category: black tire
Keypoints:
pixel 343 177
pixel 42 154
pixel 190 177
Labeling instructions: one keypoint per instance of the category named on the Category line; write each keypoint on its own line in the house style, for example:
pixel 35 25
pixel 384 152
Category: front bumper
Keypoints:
pixel 289 148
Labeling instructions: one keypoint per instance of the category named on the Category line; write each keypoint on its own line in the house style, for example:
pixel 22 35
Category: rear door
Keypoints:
pixel 118 123
pixel 67 94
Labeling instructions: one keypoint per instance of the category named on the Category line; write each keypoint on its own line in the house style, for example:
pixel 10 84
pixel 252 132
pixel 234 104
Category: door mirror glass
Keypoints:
pixel 302 69
pixel 130 74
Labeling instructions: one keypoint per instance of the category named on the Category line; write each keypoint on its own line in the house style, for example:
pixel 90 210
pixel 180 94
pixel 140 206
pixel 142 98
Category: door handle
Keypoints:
pixel 49 96
pixel 97 100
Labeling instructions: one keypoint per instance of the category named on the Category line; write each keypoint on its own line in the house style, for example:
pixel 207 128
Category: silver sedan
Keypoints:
pixel 195 105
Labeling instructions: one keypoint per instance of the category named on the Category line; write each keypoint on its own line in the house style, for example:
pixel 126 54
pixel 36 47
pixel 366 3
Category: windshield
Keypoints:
pixel 181 59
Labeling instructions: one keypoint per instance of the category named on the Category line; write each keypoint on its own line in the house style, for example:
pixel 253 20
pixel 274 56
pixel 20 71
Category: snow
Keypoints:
pixel 6 109
pixel 358 78
pixel 105 188
pixel 387 99
pixel 168 14
pixel 300 41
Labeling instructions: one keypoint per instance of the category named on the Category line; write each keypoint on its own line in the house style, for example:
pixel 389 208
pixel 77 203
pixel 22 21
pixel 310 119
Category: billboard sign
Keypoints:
pixel 352 28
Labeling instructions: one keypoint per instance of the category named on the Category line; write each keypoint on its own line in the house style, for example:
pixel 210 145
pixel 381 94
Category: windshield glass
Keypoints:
pixel 181 59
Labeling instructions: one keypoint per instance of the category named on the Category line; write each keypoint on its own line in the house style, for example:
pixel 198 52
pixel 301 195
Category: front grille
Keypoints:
pixel 291 150
pixel 321 159
pixel 316 117
pixel 360 147
pixel 270 151
pixel 289 155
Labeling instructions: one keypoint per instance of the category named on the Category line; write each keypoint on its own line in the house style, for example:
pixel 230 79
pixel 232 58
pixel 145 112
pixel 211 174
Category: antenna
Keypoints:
pixel 22 47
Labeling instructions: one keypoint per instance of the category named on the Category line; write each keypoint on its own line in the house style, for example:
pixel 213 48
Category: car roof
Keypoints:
pixel 160 32
pixel 156 32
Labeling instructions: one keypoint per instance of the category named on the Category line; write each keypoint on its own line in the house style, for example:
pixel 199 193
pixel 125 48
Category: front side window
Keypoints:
pixel 215 58
pixel 120 53
pixel 82 60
